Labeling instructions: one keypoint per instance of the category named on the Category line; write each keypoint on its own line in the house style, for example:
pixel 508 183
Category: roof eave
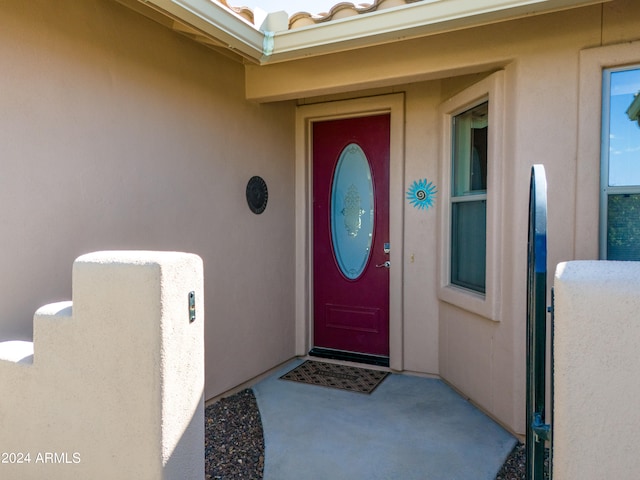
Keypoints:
pixel 409 21
pixel 214 24
pixel 210 23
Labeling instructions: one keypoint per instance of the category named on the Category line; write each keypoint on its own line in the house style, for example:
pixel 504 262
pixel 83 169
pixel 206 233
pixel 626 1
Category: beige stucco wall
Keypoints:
pixel 596 365
pixel 540 56
pixel 117 133
pixel 153 139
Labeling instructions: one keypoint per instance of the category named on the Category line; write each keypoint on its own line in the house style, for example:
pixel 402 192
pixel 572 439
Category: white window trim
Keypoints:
pixel 488 304
pixel 588 192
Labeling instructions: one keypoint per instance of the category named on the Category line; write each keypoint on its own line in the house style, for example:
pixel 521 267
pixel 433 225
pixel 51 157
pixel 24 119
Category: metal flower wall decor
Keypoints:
pixel 421 194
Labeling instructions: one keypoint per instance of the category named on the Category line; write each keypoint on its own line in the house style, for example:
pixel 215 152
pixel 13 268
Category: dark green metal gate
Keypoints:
pixel 537 430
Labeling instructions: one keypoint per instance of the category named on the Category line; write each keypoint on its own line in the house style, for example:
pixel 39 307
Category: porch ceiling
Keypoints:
pixel 232 31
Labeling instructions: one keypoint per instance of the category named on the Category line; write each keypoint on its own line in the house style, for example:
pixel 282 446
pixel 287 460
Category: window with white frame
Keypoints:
pixel 468 249
pixel 620 164
pixel 472 135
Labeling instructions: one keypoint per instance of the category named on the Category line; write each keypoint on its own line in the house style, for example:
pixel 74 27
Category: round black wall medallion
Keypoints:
pixel 257 195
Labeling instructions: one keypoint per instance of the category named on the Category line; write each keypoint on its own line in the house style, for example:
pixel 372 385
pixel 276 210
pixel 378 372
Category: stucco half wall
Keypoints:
pixel 115 385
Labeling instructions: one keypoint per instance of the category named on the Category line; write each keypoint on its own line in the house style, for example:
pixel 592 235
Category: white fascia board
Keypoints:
pixel 409 21
pixel 218 22
pixel 413 20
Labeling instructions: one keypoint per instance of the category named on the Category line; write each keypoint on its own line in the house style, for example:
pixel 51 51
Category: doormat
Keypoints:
pixel 343 377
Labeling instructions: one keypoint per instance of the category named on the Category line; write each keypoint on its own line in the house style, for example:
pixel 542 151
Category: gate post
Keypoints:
pixel 537 430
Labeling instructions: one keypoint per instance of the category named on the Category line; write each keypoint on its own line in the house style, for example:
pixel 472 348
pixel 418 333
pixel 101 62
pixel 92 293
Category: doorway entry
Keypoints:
pixel 351 244
pixel 308 340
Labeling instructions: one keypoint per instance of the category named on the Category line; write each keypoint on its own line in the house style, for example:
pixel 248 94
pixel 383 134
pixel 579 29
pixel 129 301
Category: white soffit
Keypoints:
pixel 218 25
pixel 208 22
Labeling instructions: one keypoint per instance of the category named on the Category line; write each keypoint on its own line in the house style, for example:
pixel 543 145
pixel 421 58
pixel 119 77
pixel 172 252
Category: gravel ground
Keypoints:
pixel 514 465
pixel 234 444
pixel 233 440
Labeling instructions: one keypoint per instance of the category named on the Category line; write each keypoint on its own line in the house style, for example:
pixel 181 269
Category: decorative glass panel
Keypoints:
pixel 352 209
pixel 623 227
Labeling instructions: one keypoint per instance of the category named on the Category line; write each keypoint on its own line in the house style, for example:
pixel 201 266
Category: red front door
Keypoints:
pixel 351 234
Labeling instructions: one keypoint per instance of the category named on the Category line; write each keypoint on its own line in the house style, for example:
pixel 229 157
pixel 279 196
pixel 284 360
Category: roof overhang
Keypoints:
pixel 215 25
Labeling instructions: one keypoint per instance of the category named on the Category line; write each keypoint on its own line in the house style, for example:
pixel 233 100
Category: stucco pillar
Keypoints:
pixel 596 371
pixel 114 388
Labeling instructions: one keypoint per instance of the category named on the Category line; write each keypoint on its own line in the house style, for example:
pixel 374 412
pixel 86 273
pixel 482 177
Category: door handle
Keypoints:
pixel 386 264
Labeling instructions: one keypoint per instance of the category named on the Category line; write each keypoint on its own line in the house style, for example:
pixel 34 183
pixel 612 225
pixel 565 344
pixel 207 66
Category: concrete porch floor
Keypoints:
pixel 409 428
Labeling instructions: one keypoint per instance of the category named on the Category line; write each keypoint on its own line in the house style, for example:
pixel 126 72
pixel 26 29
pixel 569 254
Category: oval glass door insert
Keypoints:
pixel 352 209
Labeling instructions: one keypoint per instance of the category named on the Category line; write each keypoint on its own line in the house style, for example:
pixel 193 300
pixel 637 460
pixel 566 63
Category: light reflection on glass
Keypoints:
pixel 624 132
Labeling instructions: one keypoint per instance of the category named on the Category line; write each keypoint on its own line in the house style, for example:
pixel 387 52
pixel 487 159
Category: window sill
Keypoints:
pixel 474 302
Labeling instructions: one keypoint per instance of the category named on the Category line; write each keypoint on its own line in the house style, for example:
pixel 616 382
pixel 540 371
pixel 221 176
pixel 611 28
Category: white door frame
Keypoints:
pixel 305 116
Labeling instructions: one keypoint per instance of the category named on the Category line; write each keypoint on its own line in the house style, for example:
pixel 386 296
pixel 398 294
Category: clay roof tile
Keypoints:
pixel 338 11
